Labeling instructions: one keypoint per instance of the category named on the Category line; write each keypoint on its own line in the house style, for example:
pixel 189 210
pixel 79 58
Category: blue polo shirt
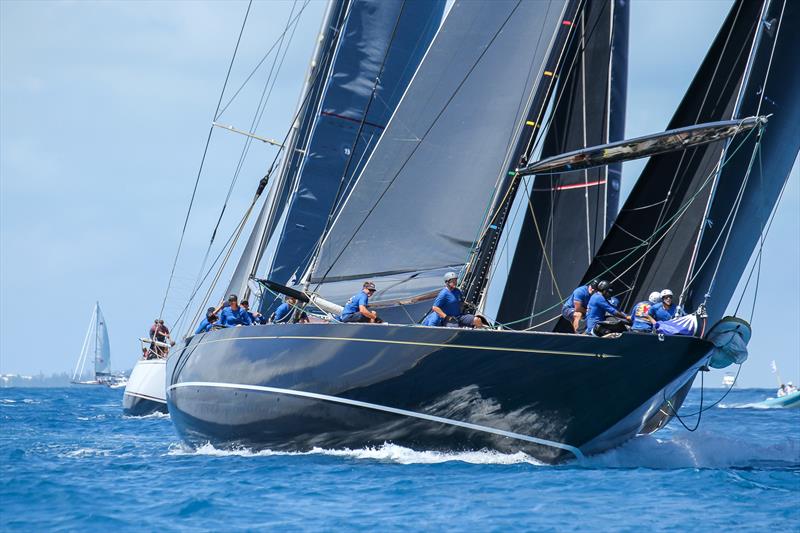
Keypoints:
pixel 581 294
pixel 256 319
pixel 354 302
pixel 229 317
pixel 450 304
pixel 282 312
pixel 638 314
pixel 204 326
pixel 598 307
pixel 659 313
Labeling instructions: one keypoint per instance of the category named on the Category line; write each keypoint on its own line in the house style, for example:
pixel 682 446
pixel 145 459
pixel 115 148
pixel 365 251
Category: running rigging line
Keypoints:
pixel 203 159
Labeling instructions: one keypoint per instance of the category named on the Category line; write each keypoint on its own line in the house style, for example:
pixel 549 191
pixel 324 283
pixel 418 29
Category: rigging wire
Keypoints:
pixel 258 65
pixel 317 76
pixel 667 226
pixel 699 413
pixel 203 159
pixel 266 93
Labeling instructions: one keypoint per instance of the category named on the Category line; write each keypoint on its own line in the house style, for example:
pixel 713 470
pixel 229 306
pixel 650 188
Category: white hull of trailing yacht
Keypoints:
pixel 145 392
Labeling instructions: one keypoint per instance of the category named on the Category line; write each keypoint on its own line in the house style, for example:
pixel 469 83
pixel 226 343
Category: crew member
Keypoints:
pixel 447 308
pixel 599 307
pixel 642 321
pixel 574 309
pixel 664 310
pixel 357 307
pixel 284 311
pixel 232 314
pixel 255 316
pixel 207 323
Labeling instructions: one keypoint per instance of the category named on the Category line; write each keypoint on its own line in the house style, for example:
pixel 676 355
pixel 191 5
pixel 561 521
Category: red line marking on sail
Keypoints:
pixel 573 186
pixel 357 121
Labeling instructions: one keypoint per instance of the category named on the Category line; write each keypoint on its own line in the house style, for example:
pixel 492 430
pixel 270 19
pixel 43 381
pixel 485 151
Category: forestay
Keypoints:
pixel 423 194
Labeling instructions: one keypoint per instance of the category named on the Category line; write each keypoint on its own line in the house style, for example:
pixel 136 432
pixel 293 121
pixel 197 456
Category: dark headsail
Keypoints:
pixel 567 215
pixel 733 225
pixel 384 39
pixel 651 242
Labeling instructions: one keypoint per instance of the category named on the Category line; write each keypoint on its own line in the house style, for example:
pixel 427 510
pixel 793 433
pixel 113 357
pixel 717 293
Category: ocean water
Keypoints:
pixel 71 461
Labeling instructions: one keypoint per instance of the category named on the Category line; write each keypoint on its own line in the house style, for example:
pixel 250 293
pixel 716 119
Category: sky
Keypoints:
pixel 105 108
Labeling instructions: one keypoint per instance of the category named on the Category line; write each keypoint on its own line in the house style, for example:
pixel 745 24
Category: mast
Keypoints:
pixel 477 270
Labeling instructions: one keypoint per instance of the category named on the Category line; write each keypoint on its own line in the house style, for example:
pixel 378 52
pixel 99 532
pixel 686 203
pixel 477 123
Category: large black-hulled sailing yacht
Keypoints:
pixel 553 395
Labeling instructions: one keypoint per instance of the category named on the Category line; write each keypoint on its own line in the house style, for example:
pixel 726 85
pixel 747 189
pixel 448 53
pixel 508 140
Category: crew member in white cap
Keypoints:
pixel 663 310
pixel 447 309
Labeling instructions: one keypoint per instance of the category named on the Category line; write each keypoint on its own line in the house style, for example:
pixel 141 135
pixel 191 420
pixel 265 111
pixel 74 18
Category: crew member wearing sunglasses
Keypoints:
pixel 663 310
pixel 357 308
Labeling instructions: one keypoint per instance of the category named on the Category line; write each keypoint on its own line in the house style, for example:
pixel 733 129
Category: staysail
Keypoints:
pixel 566 216
pixel 419 202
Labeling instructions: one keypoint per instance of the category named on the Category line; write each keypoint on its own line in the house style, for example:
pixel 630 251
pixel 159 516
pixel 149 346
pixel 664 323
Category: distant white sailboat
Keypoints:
pixel 96 346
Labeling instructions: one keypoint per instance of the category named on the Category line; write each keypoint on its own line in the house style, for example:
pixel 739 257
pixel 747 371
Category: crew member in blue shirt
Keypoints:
pixel 640 314
pixel 255 316
pixel 207 323
pixel 574 308
pixel 663 310
pixel 233 314
pixel 447 307
pixel 599 307
pixel 284 311
pixel 357 307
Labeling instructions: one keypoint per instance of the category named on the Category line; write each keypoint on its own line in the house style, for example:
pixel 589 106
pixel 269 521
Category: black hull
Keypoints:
pixel 295 387
pixel 141 406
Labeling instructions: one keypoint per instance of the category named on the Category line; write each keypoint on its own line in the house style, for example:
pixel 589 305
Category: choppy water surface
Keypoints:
pixel 70 460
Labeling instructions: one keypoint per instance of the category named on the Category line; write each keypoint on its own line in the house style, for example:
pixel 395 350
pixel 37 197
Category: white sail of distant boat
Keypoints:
pixel 97 347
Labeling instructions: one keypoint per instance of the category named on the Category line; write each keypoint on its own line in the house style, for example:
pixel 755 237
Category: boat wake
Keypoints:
pixel 699 450
pixel 386 452
pixel 692 450
pixel 156 414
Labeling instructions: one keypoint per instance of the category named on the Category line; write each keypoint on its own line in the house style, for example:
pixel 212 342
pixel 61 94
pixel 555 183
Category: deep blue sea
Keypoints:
pixel 70 461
